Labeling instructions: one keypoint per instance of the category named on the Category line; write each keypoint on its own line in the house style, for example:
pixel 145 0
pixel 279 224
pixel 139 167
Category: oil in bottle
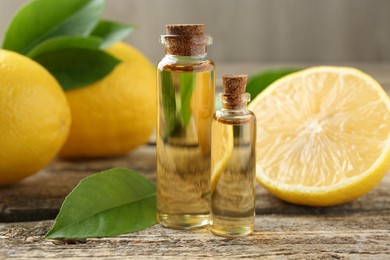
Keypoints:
pixel 186 93
pixel 233 162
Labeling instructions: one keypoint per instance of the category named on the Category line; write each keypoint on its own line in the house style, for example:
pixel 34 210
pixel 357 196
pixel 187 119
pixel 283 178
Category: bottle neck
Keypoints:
pixel 188 51
pixel 234 103
pixel 177 59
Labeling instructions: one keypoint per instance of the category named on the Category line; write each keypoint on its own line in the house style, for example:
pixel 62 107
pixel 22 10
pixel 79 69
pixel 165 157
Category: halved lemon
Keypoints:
pixel 323 136
pixel 222 145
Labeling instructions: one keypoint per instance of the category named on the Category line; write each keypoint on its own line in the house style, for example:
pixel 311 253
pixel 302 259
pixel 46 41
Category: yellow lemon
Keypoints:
pixel 323 136
pixel 34 118
pixel 117 113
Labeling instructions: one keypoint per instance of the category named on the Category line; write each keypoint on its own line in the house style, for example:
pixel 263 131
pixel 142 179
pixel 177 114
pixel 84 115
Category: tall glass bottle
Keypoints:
pixel 233 162
pixel 186 93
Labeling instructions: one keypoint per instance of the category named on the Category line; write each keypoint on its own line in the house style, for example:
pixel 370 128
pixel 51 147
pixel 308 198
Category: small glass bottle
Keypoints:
pixel 186 97
pixel 233 162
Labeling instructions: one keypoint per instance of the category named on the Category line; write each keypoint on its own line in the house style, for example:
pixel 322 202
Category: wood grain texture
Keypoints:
pixel 356 230
pixel 277 236
pixel 40 196
pixel 359 229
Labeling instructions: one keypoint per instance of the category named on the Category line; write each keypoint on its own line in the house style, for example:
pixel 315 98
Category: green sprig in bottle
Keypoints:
pixel 186 93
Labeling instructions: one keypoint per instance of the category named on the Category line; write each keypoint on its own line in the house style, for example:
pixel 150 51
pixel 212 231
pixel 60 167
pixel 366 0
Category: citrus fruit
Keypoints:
pixel 34 118
pixel 323 136
pixel 116 114
pixel 222 146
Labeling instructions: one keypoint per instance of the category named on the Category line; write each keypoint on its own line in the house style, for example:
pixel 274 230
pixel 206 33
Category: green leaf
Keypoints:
pixel 40 20
pixel 77 67
pixel 66 42
pixel 260 81
pixel 112 32
pixel 109 203
pixel 187 82
pixel 168 102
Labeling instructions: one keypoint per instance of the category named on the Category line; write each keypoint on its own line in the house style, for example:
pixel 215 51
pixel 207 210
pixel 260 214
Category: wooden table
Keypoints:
pixel 359 229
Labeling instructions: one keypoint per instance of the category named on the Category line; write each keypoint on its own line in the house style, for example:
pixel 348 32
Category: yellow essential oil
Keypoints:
pixel 233 163
pixel 186 93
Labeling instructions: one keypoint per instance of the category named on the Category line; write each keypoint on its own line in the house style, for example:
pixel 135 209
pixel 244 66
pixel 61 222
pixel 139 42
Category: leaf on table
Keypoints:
pixel 112 32
pixel 40 20
pixel 77 67
pixel 187 82
pixel 109 203
pixel 65 42
pixel 262 80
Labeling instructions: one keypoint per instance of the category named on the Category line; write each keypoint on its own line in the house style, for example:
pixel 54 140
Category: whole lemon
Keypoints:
pixel 34 118
pixel 116 114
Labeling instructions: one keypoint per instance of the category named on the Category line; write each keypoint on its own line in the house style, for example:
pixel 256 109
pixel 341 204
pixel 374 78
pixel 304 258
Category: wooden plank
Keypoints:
pixel 26 202
pixel 353 236
pixel 40 196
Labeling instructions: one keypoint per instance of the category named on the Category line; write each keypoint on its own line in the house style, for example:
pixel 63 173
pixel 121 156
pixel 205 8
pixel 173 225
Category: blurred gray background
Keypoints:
pixel 259 30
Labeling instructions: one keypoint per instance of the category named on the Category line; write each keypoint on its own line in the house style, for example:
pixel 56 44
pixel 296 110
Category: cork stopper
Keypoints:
pixel 234 84
pixel 185 39
pixel 185 29
pixel 234 91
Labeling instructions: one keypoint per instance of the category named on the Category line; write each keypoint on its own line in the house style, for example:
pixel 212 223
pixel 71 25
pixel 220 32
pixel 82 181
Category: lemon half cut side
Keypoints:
pixel 323 136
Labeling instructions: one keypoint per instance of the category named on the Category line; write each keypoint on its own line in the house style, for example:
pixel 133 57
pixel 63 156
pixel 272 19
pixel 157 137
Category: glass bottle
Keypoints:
pixel 186 97
pixel 233 162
